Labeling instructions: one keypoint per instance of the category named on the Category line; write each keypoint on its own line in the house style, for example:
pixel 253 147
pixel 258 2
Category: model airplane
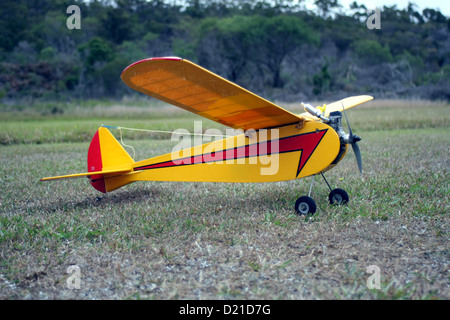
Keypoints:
pixel 296 146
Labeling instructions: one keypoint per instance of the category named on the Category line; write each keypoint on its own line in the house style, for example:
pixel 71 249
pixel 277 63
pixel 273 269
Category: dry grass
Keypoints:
pixel 233 241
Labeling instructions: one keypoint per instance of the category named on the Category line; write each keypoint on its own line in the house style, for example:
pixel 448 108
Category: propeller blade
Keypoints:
pixel 353 139
pixel 357 152
pixel 346 119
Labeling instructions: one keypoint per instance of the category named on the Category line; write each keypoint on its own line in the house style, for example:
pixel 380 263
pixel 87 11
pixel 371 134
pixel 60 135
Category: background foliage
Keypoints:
pixel 277 49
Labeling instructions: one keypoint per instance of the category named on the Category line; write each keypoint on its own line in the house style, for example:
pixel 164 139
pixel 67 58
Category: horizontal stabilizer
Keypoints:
pixel 85 174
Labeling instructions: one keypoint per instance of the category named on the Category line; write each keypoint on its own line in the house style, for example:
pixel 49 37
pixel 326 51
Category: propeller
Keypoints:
pixel 349 138
pixel 353 140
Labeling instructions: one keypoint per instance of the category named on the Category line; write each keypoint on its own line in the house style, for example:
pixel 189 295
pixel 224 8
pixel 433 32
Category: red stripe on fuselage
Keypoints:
pixel 306 143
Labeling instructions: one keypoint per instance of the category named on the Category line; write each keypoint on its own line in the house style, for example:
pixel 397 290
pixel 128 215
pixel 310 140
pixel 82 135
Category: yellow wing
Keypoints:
pixel 193 88
pixel 346 103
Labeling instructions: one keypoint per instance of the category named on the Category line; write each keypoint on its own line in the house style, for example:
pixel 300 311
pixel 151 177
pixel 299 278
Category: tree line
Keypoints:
pixel 277 49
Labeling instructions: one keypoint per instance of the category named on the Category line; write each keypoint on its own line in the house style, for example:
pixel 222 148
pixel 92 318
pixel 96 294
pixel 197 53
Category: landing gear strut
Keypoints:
pixel 305 205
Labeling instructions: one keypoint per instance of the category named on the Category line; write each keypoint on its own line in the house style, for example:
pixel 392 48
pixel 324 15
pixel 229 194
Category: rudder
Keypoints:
pixel 106 153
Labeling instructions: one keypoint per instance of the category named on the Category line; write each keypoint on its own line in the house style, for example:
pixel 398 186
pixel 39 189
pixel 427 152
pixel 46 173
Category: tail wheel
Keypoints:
pixel 338 197
pixel 305 205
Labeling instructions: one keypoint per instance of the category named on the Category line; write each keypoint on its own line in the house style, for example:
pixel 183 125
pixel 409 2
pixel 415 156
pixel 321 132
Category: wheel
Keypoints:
pixel 305 205
pixel 338 196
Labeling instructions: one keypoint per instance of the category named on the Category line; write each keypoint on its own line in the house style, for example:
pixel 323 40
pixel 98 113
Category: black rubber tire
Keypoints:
pixel 305 205
pixel 338 197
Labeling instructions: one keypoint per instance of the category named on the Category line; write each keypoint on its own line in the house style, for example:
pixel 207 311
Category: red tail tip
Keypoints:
pixel 94 161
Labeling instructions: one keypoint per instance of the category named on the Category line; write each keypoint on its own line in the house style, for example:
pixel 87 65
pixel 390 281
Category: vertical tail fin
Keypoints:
pixel 106 154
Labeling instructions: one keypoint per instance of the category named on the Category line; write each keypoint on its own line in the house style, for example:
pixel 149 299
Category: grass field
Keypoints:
pixel 161 240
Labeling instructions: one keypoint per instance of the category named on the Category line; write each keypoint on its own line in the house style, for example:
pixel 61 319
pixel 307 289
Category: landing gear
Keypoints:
pixel 338 197
pixel 305 205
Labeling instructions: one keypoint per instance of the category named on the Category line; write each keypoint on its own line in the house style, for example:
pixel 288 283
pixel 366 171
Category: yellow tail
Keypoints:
pixel 107 162
pixel 106 154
